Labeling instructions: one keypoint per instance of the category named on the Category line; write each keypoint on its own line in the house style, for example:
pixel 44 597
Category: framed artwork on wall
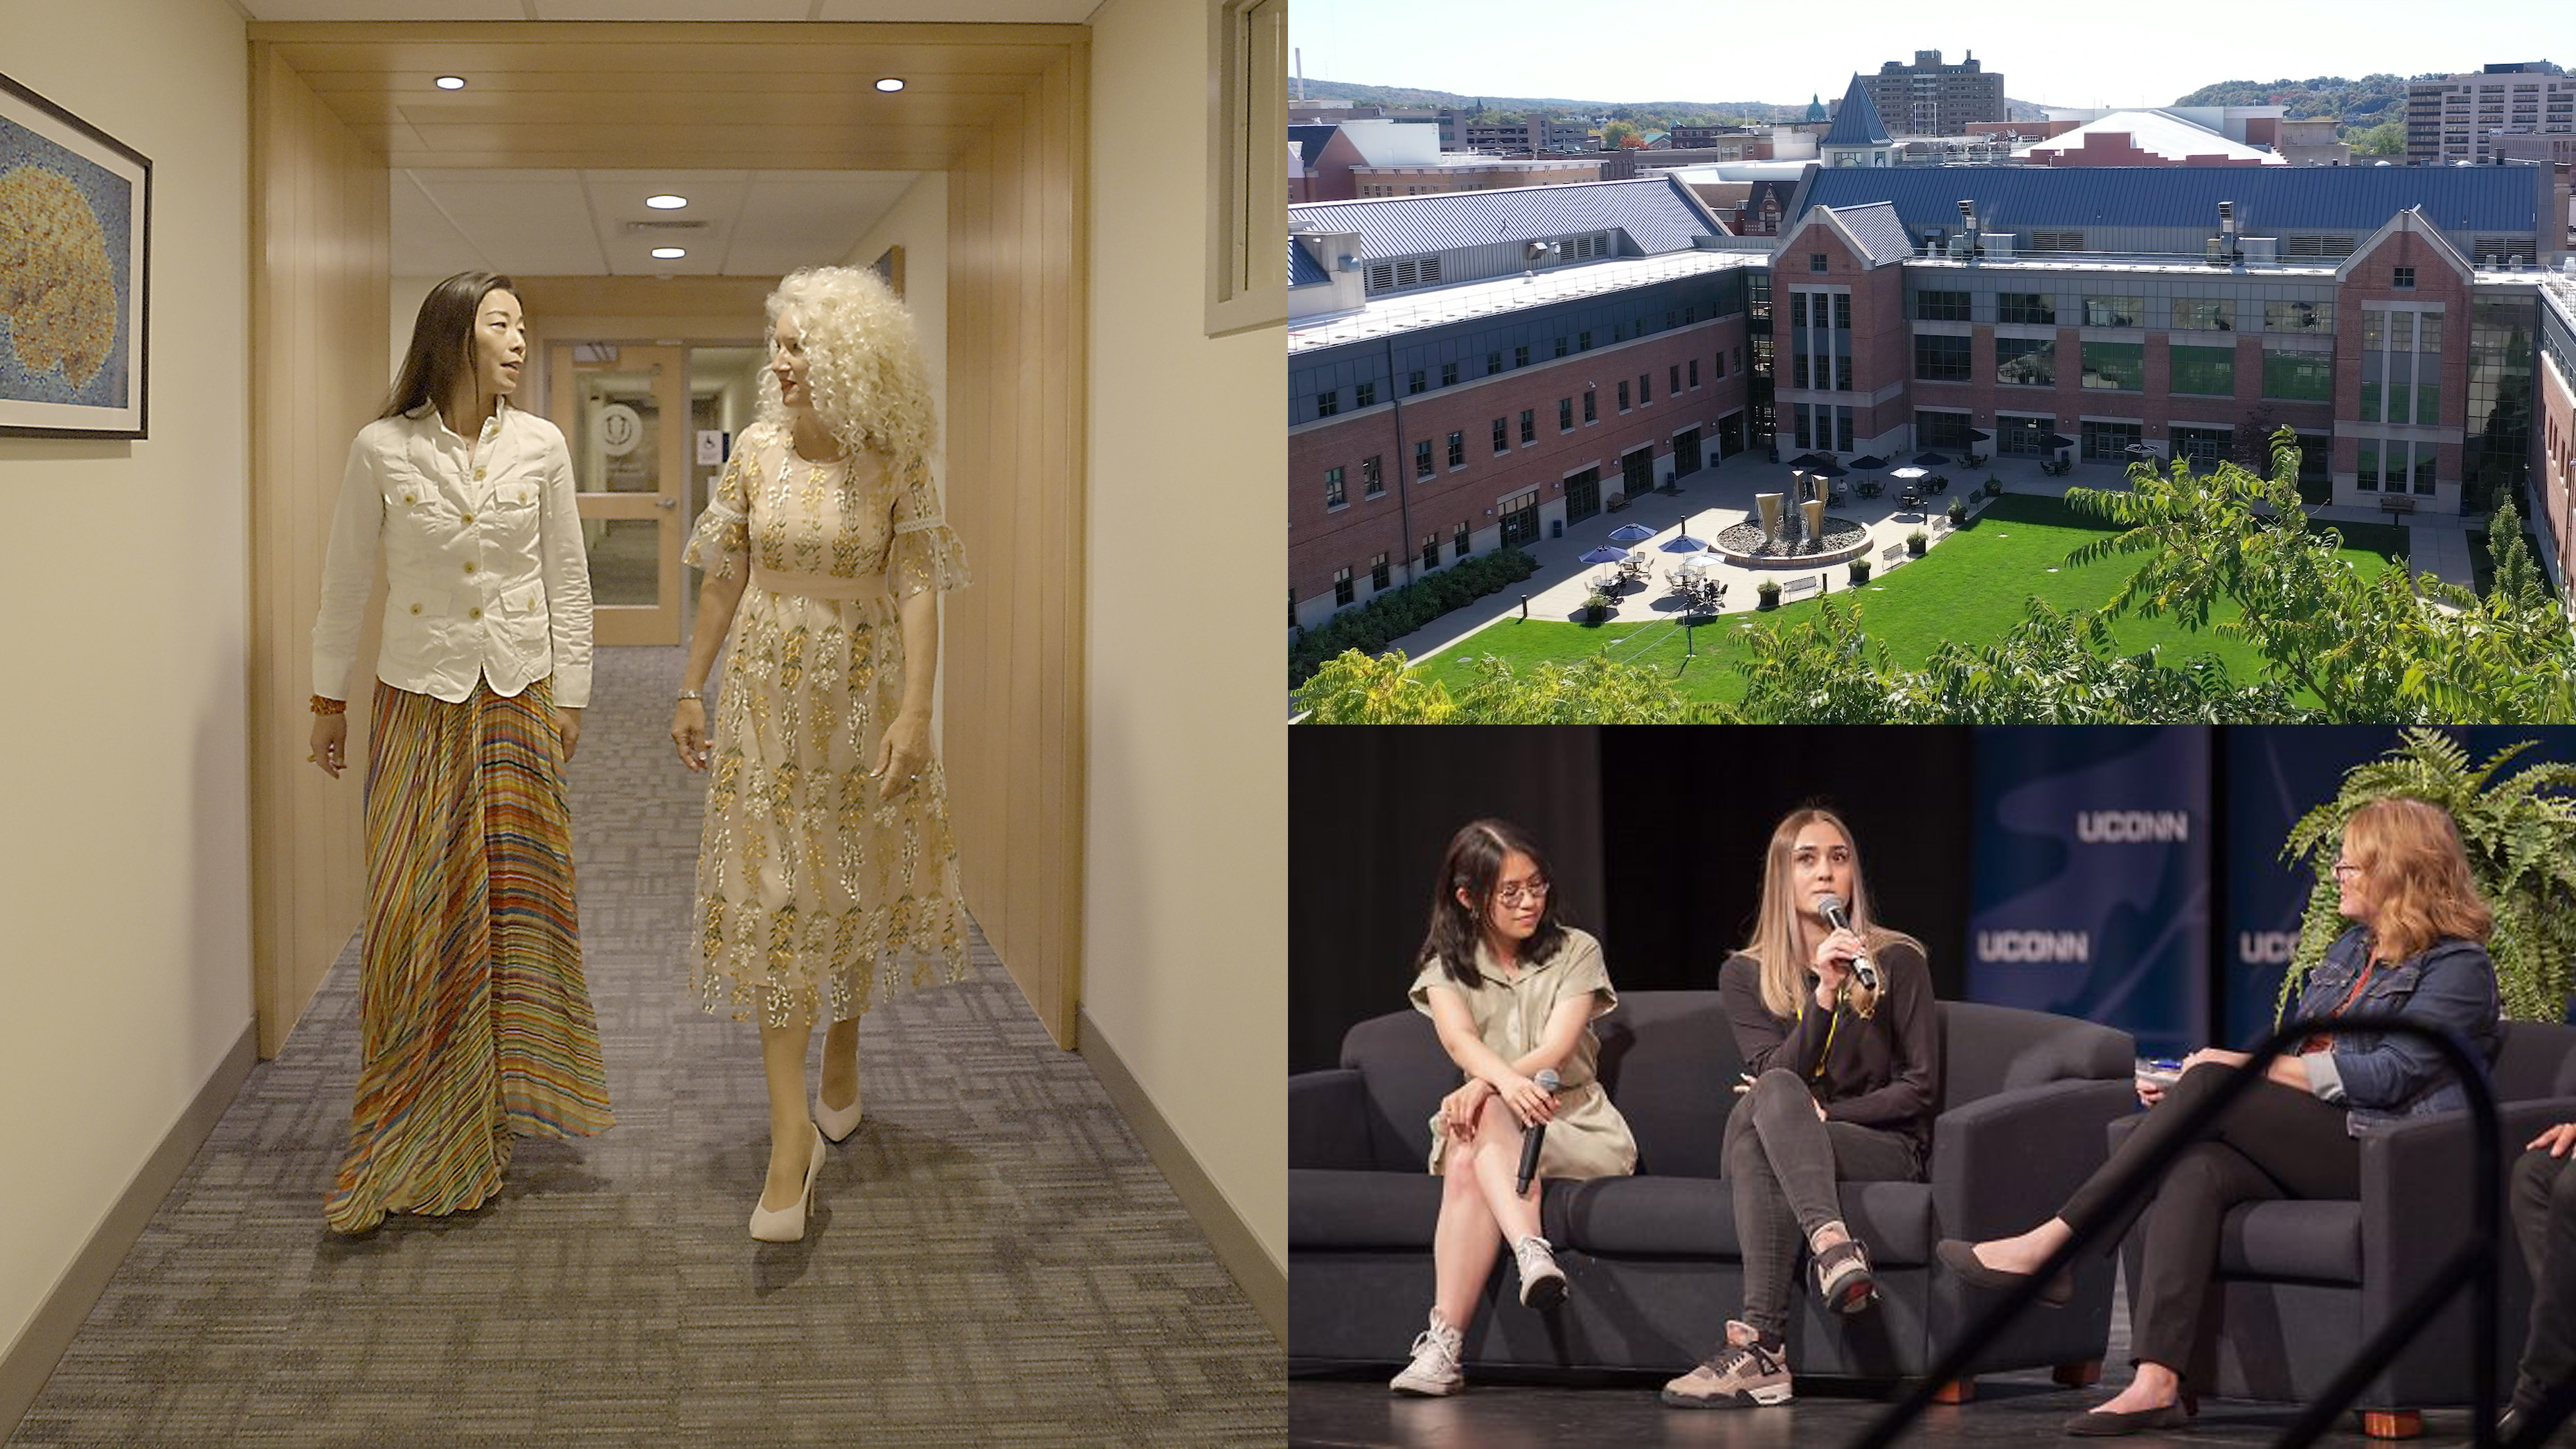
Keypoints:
pixel 75 274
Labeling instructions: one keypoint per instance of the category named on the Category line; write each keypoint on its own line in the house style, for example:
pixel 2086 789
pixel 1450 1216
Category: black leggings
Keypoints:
pixel 2274 1142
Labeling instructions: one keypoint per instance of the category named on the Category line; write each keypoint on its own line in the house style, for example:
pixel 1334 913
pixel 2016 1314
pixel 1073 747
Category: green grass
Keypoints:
pixel 1970 587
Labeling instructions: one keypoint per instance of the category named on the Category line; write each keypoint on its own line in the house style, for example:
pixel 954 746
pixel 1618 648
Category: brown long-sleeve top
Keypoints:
pixel 1878 1071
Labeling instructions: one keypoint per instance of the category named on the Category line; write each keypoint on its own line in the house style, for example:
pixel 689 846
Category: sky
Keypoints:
pixel 2054 52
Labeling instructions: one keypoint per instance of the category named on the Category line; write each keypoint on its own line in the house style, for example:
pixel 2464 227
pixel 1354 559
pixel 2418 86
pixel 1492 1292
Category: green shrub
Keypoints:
pixel 1958 511
pixel 1994 486
pixel 1915 541
pixel 1769 590
pixel 1860 571
pixel 1397 612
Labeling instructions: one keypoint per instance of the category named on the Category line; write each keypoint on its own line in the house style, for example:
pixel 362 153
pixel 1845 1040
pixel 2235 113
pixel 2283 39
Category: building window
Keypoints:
pixel 2114 311
pixel 2210 371
pixel 2204 314
pixel 1800 411
pixel 1940 358
pixel 1458 542
pixel 1448 374
pixel 1502 435
pixel 1422 459
pixel 1842 428
pixel 2026 361
pixel 1739 359
pixel 2205 447
pixel 2057 241
pixel 1334 496
pixel 1694 368
pixel 2298 317
pixel 1431 550
pixel 1673 377
pixel 2027 308
pixel 1720 361
pixel 1815 261
pixel 1416 381
pixel 1798 310
pixel 1591 406
pixel 1367 395
pixel 1941 306
pixel 1529 426
pixel 1560 347
pixel 1372 476
pixel 2403 277
pixel 1943 430
pixel 2118 366
pixel 1378 579
pixel 1342 596
pixel 1493 363
pixel 1583 341
pixel 2109 442
pixel 1565 415
pixel 2298 376
pixel 1645 388
pixel 1842 372
pixel 1623 396
pixel 1458 449
pixel 1520 355
pixel 2024 437
pixel 2367 476
pixel 1842 311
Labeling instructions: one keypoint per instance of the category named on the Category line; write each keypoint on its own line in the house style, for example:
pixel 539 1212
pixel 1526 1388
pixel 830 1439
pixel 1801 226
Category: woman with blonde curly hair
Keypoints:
pixel 827 880
pixel 2417 948
pixel 1833 1016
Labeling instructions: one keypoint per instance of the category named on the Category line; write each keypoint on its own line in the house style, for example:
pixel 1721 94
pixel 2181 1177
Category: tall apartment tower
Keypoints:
pixel 2455 117
pixel 1929 98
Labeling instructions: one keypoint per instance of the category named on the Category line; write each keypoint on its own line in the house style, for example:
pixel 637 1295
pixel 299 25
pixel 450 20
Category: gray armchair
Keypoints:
pixel 1652 1258
pixel 2304 1284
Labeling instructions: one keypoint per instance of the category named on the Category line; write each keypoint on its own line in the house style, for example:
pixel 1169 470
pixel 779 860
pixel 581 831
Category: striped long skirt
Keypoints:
pixel 474 1019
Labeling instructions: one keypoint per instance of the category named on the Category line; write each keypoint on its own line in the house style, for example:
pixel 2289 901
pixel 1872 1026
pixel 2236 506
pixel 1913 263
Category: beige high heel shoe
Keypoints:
pixel 837 1125
pixel 787 1224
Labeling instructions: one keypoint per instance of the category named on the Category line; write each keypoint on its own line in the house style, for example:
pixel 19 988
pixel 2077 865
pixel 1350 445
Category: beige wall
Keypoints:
pixel 919 224
pixel 1185 922
pixel 123 874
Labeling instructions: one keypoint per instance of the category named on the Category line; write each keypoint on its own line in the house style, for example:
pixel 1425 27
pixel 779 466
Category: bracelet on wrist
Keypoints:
pixel 324 704
pixel 693 694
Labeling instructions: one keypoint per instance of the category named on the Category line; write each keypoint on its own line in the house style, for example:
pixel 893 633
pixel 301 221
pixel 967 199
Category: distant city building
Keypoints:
pixel 2312 141
pixel 1366 143
pixel 1473 372
pixel 2456 117
pixel 2145 138
pixel 1697 138
pixel 1929 98
pixel 1461 171
pixel 1535 136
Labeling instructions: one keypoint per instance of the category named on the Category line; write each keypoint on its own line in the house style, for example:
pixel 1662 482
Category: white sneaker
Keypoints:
pixel 1434 1370
pixel 1542 1282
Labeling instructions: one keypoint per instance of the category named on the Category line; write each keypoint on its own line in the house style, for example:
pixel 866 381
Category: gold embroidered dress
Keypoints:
pixel 816 900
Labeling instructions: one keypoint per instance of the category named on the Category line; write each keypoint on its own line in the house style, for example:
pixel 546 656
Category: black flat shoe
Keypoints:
pixel 1961 1259
pixel 2105 1424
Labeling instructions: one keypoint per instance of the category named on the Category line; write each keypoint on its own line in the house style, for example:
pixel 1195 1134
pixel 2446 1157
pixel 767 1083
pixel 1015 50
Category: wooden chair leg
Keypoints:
pixel 2392 1423
pixel 2078 1375
pixel 1956 1391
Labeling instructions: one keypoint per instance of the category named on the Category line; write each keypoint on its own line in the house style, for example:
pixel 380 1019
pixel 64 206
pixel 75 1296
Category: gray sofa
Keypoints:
pixel 2025 1100
pixel 2304 1284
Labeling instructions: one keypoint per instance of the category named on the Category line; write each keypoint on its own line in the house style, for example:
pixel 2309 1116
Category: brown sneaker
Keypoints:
pixel 1739 1376
pixel 1843 1279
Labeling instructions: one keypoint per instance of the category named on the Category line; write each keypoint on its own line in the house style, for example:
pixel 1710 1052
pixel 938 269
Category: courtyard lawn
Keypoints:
pixel 1969 587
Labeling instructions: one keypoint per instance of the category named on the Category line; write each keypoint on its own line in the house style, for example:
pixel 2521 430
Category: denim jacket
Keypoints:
pixel 2386 1079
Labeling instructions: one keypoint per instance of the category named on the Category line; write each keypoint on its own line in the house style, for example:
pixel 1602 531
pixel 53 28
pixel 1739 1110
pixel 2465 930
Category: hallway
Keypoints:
pixel 994 1259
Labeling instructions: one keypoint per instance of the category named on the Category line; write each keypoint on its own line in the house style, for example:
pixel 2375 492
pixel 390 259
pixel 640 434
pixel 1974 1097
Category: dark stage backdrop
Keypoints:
pixel 1656 834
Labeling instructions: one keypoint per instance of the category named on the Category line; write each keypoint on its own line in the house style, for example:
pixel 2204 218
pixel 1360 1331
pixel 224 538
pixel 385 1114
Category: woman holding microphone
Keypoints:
pixel 1833 1015
pixel 1512 991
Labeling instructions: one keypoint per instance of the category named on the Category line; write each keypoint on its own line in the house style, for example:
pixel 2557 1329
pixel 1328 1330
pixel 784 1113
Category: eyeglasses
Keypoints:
pixel 2344 868
pixel 1514 894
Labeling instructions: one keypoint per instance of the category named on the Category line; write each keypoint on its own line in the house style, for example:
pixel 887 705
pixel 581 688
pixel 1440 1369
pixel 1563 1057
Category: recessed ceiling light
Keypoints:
pixel 451 82
pixel 670 254
pixel 890 83
pixel 666 202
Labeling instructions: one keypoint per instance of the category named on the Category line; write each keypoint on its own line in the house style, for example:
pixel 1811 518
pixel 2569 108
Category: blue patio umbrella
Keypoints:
pixel 1631 533
pixel 1931 460
pixel 1869 462
pixel 1605 554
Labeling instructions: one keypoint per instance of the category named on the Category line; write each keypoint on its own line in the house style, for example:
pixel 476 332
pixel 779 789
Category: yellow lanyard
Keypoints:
pixel 1831 1024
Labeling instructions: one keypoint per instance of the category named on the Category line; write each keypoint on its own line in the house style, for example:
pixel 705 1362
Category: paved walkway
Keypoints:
pixel 1719 497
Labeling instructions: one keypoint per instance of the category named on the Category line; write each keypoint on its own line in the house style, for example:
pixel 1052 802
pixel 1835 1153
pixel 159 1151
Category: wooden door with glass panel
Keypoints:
pixel 624 410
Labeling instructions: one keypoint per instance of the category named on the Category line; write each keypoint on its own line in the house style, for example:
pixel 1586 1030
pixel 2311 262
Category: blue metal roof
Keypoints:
pixel 1657 213
pixel 1857 122
pixel 2270 200
pixel 1875 227
pixel 1303 269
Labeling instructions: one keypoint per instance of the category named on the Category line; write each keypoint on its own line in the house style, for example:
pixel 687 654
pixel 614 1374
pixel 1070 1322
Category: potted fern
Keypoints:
pixel 2520 832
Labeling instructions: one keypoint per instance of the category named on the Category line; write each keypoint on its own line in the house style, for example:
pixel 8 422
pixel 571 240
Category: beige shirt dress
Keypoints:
pixel 1588 1137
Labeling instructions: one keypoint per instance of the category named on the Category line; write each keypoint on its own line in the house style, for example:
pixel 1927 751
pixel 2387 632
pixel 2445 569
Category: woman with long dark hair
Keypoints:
pixel 475 1022
pixel 1512 991
pixel 2417 947
pixel 1842 1056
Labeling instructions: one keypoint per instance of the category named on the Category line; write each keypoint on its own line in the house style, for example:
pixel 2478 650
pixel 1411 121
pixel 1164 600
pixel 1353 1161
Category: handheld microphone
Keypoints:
pixel 1831 908
pixel 1532 1136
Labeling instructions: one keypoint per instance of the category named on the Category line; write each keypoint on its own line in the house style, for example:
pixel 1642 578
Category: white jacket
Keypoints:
pixel 486 574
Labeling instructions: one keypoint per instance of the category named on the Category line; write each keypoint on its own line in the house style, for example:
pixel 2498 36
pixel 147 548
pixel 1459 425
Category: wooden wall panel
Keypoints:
pixel 320 256
pixel 1016 487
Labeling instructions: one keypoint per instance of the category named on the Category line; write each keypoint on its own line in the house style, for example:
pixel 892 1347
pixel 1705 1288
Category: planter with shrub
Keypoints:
pixel 1994 486
pixel 1915 541
pixel 1598 607
pixel 1769 592
pixel 1859 571
pixel 1399 611
pixel 1958 511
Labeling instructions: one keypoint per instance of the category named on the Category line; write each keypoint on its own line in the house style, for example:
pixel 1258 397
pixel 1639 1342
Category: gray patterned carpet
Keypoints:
pixel 993 1258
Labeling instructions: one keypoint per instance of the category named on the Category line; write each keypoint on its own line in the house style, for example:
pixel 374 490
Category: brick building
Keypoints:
pixel 1515 360
pixel 2455 118
pixel 1929 98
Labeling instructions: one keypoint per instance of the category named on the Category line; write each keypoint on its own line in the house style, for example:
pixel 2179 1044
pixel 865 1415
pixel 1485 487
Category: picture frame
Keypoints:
pixel 75 275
